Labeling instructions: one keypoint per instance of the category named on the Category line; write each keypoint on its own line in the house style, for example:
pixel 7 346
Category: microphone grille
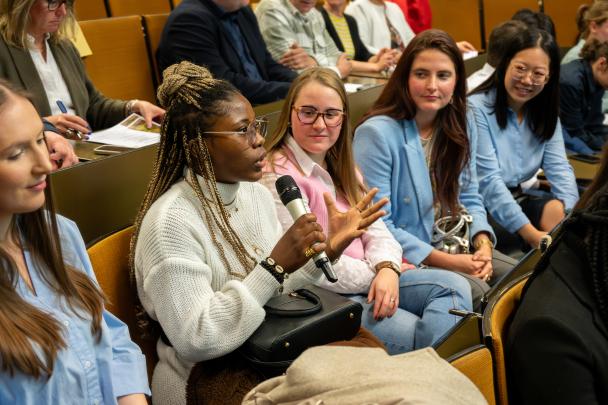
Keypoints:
pixel 287 189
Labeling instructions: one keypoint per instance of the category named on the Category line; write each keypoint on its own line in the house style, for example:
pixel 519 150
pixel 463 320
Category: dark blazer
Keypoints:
pixel 361 52
pixel 557 348
pixel 17 66
pixel 581 104
pixel 195 33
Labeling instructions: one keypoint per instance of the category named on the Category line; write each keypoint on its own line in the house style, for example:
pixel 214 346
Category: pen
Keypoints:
pixel 64 110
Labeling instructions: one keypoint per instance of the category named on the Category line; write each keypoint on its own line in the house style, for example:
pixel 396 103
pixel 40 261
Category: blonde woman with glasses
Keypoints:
pixel 407 309
pixel 36 55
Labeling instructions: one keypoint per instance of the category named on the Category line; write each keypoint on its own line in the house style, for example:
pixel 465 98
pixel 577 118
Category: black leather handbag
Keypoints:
pixel 296 321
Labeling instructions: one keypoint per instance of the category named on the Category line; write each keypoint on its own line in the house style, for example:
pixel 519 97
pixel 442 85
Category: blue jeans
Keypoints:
pixel 425 297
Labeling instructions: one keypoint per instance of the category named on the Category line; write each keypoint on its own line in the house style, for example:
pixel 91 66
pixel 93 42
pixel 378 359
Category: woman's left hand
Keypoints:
pixel 484 253
pixel 344 227
pixel 149 111
pixel 384 292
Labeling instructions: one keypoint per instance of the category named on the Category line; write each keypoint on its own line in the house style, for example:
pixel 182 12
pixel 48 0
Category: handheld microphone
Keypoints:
pixel 291 197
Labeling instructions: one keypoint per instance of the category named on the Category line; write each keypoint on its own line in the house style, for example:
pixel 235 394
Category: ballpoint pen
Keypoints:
pixel 64 110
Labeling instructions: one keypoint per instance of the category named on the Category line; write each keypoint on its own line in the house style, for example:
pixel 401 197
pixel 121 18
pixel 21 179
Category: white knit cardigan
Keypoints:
pixel 183 283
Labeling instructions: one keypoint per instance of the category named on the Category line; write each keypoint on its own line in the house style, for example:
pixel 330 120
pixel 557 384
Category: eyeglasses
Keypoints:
pixel 537 78
pixel 55 4
pixel 309 115
pixel 259 126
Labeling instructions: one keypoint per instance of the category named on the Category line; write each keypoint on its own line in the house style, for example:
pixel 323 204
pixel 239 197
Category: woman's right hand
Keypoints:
pixel 63 122
pixel 304 233
pixel 531 235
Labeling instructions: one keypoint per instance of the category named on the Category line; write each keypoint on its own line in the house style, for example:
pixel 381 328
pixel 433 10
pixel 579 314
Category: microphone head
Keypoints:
pixel 288 189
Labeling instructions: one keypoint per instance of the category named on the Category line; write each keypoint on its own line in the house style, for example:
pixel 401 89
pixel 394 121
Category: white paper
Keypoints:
pixel 469 55
pixel 130 133
pixel 352 87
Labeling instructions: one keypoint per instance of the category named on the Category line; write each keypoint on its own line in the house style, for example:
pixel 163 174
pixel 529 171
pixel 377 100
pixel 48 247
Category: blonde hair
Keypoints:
pixel 339 158
pixel 15 17
pixel 597 13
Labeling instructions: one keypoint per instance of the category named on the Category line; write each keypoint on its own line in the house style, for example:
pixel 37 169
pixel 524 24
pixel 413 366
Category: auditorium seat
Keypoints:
pixel 476 364
pixel 496 320
pixel 153 28
pixel 90 9
pixel 110 260
pixel 120 8
pixel 120 64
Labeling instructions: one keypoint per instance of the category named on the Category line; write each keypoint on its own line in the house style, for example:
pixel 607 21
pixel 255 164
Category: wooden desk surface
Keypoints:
pixel 584 171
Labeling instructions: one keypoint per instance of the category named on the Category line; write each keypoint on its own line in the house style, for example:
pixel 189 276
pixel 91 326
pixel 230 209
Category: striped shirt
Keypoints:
pixel 282 25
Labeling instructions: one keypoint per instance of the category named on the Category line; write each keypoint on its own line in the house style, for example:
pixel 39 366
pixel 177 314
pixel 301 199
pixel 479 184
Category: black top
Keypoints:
pixel 557 348
pixel 194 32
pixel 361 52
pixel 581 104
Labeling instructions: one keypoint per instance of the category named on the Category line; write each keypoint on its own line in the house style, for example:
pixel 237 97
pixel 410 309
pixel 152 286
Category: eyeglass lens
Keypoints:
pixel 308 115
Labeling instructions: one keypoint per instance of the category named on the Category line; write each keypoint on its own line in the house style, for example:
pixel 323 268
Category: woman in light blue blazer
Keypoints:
pixel 516 111
pixel 413 146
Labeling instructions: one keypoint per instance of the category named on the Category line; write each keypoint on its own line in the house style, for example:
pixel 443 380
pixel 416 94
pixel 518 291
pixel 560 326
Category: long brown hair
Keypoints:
pixel 451 151
pixel 15 16
pixel 25 329
pixel 339 158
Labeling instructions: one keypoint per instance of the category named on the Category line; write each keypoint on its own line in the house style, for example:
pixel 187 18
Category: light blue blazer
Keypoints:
pixel 391 158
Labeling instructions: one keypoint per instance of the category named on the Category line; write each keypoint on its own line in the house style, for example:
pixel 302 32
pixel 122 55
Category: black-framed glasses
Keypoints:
pixel 309 115
pixel 258 126
pixel 55 4
pixel 537 78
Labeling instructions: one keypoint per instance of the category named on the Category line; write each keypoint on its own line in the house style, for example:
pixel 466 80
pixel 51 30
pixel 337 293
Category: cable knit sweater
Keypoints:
pixel 183 283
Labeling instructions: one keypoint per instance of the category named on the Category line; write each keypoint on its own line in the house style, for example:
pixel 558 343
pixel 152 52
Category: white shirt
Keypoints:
pixel 51 77
pixel 371 20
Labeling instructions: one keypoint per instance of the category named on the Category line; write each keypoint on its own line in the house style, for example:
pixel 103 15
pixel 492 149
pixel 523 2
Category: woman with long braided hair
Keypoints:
pixel 557 349
pixel 208 249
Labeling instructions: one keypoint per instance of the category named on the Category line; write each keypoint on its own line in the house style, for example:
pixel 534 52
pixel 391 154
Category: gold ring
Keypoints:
pixel 309 252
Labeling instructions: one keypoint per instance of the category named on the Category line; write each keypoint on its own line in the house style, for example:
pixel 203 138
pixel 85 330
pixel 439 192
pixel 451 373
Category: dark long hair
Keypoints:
pixel 589 221
pixel 26 330
pixel 542 111
pixel 451 149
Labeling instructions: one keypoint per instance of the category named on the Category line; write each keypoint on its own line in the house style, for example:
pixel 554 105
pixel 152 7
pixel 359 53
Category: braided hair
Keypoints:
pixel 193 101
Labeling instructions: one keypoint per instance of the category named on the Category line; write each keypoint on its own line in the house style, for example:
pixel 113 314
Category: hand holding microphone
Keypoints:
pixel 344 227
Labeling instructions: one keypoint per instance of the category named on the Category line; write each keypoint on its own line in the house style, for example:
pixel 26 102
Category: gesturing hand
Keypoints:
pixel 344 227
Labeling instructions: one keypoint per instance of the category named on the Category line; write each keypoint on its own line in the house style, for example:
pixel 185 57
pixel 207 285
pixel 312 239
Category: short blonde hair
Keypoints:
pixel 15 17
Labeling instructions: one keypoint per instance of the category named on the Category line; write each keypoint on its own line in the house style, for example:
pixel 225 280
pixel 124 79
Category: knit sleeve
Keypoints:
pixel 176 268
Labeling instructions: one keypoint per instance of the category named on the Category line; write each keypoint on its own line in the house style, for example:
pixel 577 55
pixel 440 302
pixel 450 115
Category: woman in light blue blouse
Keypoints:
pixel 57 343
pixel 414 146
pixel 516 111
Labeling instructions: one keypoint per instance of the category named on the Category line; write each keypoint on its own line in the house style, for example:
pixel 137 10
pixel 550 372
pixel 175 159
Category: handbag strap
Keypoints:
pixel 302 293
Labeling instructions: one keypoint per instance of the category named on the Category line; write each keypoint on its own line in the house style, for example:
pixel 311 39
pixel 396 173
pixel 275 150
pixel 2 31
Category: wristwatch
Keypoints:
pixel 276 270
pixel 390 265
